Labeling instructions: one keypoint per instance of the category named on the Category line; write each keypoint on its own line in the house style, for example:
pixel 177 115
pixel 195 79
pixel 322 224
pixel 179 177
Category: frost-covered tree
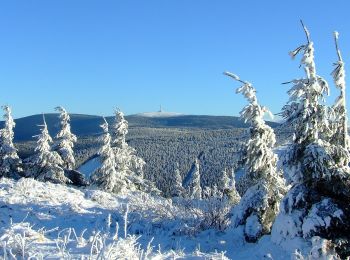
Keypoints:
pixel 125 155
pixel 176 189
pixel 317 203
pixel 127 163
pixel 259 204
pixel 224 181
pixel 10 163
pixel 106 176
pixel 340 137
pixel 119 130
pixel 137 164
pixel 65 140
pixel 231 191
pixel 192 182
pixel 45 164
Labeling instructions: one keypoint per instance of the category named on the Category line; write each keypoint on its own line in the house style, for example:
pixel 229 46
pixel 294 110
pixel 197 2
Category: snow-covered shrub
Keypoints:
pixel 65 140
pixel 322 249
pixel 45 164
pixel 192 182
pixel 215 209
pixel 260 202
pixel 212 211
pixel 103 198
pixel 316 204
pixel 10 163
pixel 17 240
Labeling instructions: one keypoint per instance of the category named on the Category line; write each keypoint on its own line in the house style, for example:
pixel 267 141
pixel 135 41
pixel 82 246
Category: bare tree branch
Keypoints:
pixel 336 36
pixel 306 31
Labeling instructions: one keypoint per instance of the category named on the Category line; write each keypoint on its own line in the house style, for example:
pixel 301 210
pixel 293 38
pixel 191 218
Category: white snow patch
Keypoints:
pixel 90 166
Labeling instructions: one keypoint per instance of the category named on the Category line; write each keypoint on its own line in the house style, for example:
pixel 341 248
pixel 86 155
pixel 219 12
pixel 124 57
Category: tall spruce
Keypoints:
pixel 46 164
pixel 259 204
pixel 106 177
pixel 10 163
pixel 232 193
pixel 128 165
pixel 176 189
pixel 192 181
pixel 317 202
pixel 65 140
pixel 126 158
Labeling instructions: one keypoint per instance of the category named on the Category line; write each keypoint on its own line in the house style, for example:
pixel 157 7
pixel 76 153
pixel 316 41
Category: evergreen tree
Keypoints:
pixel 317 203
pixel 176 189
pixel 224 181
pixel 137 165
pixel 65 140
pixel 45 165
pixel 259 204
pixel 340 137
pixel 231 191
pixel 125 155
pixel 127 164
pixel 192 182
pixel 10 163
pixel 119 130
pixel 106 176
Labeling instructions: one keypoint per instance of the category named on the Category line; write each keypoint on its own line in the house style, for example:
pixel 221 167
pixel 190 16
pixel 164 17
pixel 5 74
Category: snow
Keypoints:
pixel 253 228
pixel 159 114
pixel 90 166
pixel 57 220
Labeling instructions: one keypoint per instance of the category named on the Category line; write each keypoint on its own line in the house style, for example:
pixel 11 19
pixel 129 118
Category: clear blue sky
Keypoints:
pixel 90 56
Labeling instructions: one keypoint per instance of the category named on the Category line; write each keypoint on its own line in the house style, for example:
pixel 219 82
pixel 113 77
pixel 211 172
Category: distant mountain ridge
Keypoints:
pixel 84 125
pixel 159 114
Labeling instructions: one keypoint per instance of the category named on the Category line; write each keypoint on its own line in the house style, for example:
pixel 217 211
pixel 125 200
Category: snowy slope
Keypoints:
pixel 90 166
pixel 52 218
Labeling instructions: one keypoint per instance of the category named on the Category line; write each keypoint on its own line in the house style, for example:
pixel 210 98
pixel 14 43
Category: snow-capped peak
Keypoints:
pixel 159 114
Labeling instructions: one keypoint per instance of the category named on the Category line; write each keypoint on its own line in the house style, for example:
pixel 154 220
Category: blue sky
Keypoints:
pixel 90 56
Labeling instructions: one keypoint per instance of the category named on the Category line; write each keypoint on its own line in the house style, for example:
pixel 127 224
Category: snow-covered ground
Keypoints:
pixel 90 166
pixel 53 220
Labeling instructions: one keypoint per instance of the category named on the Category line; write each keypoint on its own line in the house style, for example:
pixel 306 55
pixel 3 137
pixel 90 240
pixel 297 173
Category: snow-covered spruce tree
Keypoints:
pixel 340 137
pixel 125 155
pixel 192 182
pixel 176 189
pixel 317 203
pixel 106 177
pixel 45 164
pixel 224 180
pixel 65 140
pixel 119 130
pixel 128 165
pixel 259 204
pixel 230 190
pixel 10 163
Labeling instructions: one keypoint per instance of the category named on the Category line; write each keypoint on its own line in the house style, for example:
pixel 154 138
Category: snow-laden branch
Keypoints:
pixel 341 120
